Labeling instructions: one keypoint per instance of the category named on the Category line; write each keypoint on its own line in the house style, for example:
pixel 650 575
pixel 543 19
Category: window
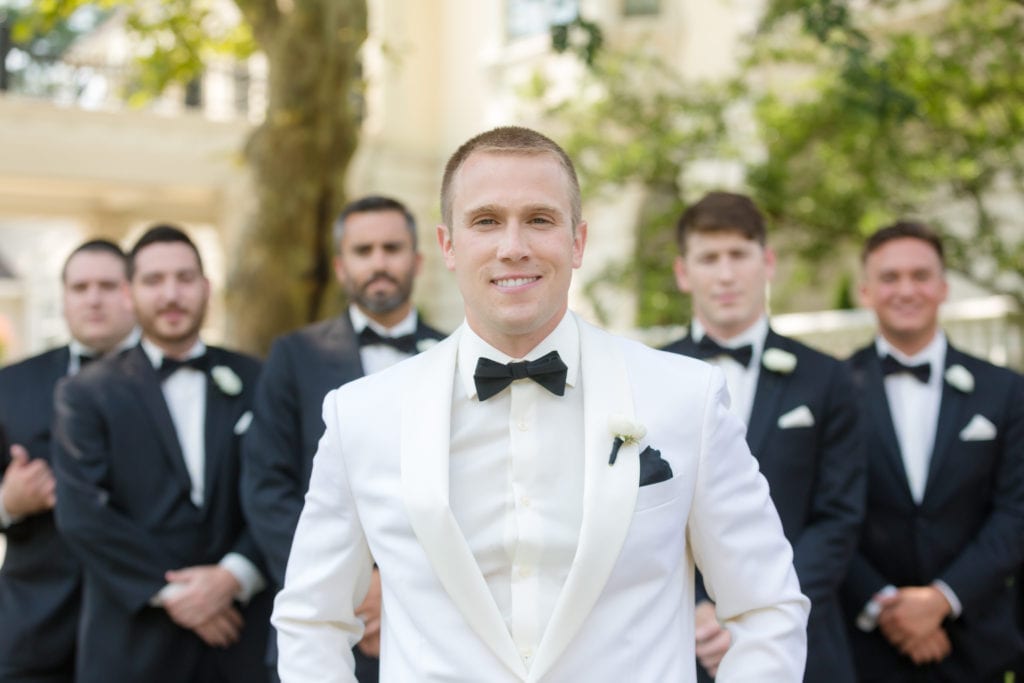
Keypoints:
pixel 531 17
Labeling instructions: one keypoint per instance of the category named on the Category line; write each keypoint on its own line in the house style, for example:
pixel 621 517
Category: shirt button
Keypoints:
pixel 522 425
pixel 524 571
pixel 524 501
pixel 526 653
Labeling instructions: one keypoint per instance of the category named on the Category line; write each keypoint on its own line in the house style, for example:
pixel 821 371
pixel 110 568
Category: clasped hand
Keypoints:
pixel 202 602
pixel 911 619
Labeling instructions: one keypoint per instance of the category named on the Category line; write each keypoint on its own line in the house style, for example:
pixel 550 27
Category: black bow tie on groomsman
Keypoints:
pixel 406 343
pixel 892 366
pixel 548 371
pixel 709 348
pixel 168 366
pixel 86 358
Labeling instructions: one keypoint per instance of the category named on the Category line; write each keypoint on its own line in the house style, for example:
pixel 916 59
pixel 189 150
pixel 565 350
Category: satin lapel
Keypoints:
pixel 425 440
pixel 342 347
pixel 877 404
pixel 951 409
pixel 218 429
pixel 609 493
pixel 146 383
pixel 767 399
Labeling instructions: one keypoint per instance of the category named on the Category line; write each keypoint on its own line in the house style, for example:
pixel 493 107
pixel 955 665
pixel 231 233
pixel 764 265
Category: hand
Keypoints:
pixel 933 647
pixel 204 592
pixel 28 486
pixel 369 612
pixel 222 629
pixel 712 640
pixel 911 613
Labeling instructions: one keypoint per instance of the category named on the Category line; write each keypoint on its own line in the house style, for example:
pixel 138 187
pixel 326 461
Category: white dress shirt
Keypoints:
pixel 377 357
pixel 185 394
pixel 740 381
pixel 516 478
pixel 914 407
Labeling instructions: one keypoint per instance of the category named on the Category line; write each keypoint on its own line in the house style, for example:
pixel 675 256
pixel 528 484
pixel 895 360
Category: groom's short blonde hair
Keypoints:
pixel 509 140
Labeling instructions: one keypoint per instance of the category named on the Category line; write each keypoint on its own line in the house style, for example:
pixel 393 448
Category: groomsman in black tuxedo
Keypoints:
pixel 929 592
pixel 40 580
pixel 801 417
pixel 147 467
pixel 376 261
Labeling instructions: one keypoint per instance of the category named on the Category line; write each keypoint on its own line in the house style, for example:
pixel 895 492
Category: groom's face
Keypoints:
pixel 512 246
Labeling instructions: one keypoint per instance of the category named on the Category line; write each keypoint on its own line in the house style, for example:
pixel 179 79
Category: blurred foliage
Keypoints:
pixel 896 115
pixel 634 122
pixel 176 37
pixel 279 277
pixel 894 109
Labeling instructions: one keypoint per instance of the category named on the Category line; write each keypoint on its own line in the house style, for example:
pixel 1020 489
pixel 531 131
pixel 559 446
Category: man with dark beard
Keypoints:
pixel 376 261
pixel 146 461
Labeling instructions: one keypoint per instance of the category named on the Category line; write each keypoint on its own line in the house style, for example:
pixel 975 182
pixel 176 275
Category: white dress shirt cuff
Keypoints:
pixel 245 572
pixel 6 518
pixel 867 620
pixel 954 602
pixel 165 594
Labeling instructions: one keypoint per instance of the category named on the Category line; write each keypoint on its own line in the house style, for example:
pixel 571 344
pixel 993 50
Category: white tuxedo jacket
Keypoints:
pixel 379 491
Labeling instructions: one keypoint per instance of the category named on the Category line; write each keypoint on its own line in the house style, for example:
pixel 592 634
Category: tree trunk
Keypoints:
pixel 280 272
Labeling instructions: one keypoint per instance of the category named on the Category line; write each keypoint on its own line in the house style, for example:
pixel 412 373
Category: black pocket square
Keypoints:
pixel 653 468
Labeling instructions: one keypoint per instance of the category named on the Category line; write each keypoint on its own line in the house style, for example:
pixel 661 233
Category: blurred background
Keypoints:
pixel 251 122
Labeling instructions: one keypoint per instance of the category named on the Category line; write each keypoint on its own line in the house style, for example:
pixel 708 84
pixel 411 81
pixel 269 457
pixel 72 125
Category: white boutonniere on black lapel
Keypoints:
pixel 960 378
pixel 226 380
pixel 424 344
pixel 777 360
pixel 625 431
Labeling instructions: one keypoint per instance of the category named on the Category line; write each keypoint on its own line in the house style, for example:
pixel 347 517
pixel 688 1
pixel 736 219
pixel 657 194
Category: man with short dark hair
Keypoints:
pixel 801 419
pixel 534 490
pixel 376 261
pixel 147 467
pixel 40 577
pixel 929 593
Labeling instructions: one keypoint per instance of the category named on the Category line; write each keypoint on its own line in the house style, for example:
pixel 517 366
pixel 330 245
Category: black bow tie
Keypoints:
pixel 406 343
pixel 86 358
pixel 168 365
pixel 892 366
pixel 709 348
pixel 548 371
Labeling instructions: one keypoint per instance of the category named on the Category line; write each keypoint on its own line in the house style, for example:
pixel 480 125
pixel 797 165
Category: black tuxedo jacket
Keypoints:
pixel 816 474
pixel 967 531
pixel 40 580
pixel 303 366
pixel 124 505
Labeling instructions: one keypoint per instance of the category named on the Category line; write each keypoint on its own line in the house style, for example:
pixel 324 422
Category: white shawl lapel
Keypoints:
pixel 425 442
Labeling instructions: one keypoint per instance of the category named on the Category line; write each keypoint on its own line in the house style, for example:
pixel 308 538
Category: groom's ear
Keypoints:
pixel 444 239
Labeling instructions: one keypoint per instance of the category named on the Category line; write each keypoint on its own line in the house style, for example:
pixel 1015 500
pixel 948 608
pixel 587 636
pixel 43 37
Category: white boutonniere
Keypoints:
pixel 960 378
pixel 424 344
pixel 625 431
pixel 226 380
pixel 777 360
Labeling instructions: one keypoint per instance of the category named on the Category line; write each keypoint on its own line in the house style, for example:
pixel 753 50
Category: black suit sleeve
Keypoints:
pixel 273 483
pixel 996 549
pixel 121 553
pixel 822 553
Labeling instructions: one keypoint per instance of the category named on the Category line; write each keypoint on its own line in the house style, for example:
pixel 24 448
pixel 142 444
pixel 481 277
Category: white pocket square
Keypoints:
pixel 978 429
pixel 798 417
pixel 243 423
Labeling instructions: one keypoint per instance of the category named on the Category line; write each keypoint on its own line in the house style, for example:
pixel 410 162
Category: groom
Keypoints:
pixel 534 491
